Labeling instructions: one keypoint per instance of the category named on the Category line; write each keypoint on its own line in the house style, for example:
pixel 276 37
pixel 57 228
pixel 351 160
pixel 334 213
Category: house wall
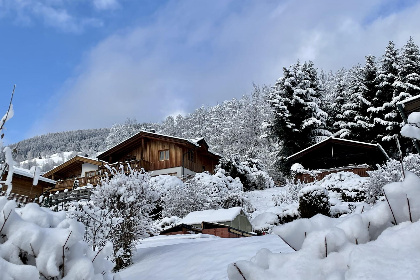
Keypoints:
pixel 23 186
pixel 221 232
pixel 148 150
pixel 177 171
pixel 86 167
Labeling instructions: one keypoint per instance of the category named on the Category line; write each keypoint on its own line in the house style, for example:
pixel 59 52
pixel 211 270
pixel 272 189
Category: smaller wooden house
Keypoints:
pixel 22 183
pixel 334 155
pixel 225 223
pixel 84 170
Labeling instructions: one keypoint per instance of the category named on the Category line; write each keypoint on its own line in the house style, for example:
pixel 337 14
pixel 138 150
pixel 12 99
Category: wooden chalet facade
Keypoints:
pixel 334 155
pixel 164 154
pixel 151 152
pixel 22 184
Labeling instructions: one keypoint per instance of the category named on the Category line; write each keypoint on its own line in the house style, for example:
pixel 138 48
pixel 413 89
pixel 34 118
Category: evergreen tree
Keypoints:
pixel 385 113
pixel 297 115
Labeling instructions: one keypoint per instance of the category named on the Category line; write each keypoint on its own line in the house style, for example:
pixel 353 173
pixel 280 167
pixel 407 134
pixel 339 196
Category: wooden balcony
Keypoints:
pixel 95 177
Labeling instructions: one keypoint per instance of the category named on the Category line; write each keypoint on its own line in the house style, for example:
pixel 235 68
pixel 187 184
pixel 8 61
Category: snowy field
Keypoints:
pixel 195 256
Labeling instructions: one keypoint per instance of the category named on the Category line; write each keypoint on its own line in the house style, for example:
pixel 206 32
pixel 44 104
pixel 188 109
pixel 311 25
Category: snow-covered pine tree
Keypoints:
pixel 408 83
pixel 358 123
pixel 298 117
pixel 385 113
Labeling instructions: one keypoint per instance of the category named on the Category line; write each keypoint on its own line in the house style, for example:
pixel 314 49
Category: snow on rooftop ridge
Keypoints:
pixel 408 100
pixel 159 134
pixel 27 173
pixel 211 216
pixel 340 139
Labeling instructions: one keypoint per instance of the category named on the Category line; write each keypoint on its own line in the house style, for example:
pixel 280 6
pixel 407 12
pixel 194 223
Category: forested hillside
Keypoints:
pixel 304 106
pixel 88 141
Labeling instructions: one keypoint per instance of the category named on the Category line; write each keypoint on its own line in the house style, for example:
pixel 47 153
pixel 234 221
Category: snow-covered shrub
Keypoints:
pixel 291 193
pixel 313 200
pixel 203 191
pixel 389 172
pixel 36 243
pixel 264 222
pixel 169 189
pixel 250 172
pixel 127 200
pixel 98 222
pixel 366 244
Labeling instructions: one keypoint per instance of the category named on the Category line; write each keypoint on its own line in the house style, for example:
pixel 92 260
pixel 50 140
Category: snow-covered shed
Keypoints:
pixel 23 183
pixel 209 220
pixel 333 155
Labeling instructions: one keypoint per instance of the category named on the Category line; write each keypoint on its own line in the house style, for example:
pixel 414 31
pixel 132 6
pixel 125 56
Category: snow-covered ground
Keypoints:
pixel 198 256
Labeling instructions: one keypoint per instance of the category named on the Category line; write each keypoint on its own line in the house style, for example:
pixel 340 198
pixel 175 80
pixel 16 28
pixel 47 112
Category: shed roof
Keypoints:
pixel 212 216
pixel 337 152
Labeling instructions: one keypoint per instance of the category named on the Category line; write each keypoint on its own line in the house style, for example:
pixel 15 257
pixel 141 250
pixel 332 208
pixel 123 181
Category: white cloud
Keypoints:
pixel 198 52
pixel 105 4
pixel 53 13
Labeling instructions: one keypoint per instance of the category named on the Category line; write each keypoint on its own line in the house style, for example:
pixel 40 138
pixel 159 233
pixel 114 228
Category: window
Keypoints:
pixel 164 155
pixel 191 155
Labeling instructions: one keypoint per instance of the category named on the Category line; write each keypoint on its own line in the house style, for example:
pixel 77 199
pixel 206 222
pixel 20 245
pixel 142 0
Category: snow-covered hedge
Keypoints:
pixel 377 243
pixel 313 200
pixel 250 172
pixel 36 243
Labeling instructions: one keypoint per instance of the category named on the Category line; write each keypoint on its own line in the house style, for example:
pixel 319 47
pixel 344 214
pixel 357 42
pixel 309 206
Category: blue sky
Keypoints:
pixel 90 63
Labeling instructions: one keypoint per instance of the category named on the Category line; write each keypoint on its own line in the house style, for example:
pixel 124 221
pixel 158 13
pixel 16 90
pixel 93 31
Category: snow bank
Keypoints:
pixel 36 241
pixel 364 245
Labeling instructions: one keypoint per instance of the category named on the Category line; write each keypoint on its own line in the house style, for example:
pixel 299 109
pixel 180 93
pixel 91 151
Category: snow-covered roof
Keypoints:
pixel 190 141
pixel 409 100
pixel 76 158
pixel 29 174
pixel 341 140
pixel 212 216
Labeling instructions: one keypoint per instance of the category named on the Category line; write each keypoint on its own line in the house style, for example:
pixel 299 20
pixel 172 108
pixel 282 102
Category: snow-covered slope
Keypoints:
pixel 203 257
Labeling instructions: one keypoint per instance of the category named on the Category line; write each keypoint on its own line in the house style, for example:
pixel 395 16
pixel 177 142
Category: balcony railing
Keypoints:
pixel 95 177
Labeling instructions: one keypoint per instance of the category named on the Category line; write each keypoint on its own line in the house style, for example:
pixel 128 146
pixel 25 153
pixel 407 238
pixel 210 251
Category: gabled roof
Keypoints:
pixel 212 216
pixel 410 104
pixel 339 141
pixel 75 161
pixel 134 140
pixel 337 152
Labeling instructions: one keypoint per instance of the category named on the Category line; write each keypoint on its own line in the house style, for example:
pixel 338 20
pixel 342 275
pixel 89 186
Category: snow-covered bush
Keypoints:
pixel 313 200
pixel 203 191
pixel 377 243
pixel 389 172
pixel 126 200
pixel 36 243
pixel 250 172
pixel 291 193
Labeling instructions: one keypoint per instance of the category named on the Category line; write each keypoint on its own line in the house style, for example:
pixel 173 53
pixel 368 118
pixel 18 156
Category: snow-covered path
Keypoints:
pixel 204 258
